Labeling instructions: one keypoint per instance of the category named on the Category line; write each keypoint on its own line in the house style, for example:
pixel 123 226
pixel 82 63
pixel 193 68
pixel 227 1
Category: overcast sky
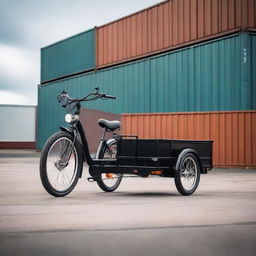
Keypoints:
pixel 28 25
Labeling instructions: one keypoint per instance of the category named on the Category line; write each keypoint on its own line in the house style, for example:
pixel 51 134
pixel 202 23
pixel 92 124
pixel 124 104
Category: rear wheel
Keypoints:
pixel 61 164
pixel 109 182
pixel 187 176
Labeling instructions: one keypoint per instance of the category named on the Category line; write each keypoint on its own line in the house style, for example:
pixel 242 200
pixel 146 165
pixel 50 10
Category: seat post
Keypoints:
pixel 104 134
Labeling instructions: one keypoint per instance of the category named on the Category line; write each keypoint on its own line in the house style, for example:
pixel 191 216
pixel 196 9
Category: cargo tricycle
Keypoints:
pixel 62 158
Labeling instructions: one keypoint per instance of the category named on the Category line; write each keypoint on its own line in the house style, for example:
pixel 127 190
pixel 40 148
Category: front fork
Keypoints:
pixel 78 130
pixel 69 151
pixel 66 151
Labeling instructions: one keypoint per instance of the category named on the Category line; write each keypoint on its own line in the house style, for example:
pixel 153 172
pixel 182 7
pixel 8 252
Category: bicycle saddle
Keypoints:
pixel 110 125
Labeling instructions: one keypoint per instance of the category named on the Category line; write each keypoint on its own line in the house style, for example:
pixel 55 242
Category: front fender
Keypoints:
pixel 185 151
pixel 70 130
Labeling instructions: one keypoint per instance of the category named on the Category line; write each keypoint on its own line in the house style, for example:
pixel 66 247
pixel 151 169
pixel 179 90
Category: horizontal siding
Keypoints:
pixel 253 69
pixel 233 133
pixel 172 23
pixel 19 123
pixel 208 77
pixel 69 56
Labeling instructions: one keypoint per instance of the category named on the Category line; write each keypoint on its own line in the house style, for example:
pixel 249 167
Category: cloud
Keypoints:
pixel 7 97
pixel 19 69
pixel 15 61
pixel 28 25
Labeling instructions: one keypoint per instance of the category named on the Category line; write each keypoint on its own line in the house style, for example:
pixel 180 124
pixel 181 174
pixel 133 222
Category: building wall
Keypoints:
pixel 253 68
pixel 18 126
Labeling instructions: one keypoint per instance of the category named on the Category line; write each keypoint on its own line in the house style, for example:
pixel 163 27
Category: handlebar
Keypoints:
pixel 108 96
pixel 65 99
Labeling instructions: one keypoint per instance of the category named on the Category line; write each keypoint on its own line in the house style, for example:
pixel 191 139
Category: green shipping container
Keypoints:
pixel 253 70
pixel 213 76
pixel 69 56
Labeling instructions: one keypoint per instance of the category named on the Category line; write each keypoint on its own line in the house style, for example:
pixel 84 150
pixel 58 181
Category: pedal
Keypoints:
pixel 91 179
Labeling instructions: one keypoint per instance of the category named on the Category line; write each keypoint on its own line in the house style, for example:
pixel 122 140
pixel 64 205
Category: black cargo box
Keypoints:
pixel 159 152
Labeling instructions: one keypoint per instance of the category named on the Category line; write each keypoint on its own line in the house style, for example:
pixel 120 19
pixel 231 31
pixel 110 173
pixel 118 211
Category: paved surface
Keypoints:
pixel 144 217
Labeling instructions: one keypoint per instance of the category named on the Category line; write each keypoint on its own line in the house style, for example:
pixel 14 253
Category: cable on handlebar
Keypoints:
pixel 110 97
pixel 65 99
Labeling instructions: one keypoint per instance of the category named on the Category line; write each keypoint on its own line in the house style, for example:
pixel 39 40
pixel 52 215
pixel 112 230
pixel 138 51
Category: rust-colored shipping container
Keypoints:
pixel 169 25
pixel 233 132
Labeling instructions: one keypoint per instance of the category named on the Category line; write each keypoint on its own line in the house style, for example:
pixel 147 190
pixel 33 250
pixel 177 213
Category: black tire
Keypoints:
pixel 188 170
pixel 53 164
pixel 107 152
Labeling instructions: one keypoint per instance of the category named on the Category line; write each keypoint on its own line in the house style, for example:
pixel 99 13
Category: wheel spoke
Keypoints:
pixel 61 164
pixel 188 173
pixel 106 183
pixel 67 175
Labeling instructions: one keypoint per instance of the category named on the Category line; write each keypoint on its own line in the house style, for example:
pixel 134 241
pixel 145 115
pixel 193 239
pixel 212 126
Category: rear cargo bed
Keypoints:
pixel 160 153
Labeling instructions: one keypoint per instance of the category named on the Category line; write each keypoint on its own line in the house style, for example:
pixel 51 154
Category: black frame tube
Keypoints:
pixel 85 144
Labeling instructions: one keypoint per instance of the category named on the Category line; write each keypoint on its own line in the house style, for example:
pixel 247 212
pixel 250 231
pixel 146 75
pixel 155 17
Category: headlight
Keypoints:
pixel 69 118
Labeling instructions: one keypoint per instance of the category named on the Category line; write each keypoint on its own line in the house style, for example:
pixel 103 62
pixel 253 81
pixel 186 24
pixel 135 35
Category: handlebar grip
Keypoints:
pixel 63 99
pixel 110 97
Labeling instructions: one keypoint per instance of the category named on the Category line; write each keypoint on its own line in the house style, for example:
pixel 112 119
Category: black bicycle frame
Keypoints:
pixel 78 128
pixel 85 147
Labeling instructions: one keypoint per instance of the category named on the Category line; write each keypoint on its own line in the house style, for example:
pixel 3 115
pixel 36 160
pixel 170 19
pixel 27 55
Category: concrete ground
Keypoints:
pixel 145 216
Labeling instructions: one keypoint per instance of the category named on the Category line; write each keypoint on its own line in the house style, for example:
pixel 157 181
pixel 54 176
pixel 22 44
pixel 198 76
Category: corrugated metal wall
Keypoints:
pixel 50 115
pixel 206 77
pixel 19 123
pixel 233 133
pixel 171 24
pixel 69 56
pixel 253 69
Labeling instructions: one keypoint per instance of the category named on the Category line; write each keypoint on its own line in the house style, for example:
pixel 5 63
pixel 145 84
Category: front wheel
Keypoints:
pixel 109 182
pixel 61 163
pixel 187 176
